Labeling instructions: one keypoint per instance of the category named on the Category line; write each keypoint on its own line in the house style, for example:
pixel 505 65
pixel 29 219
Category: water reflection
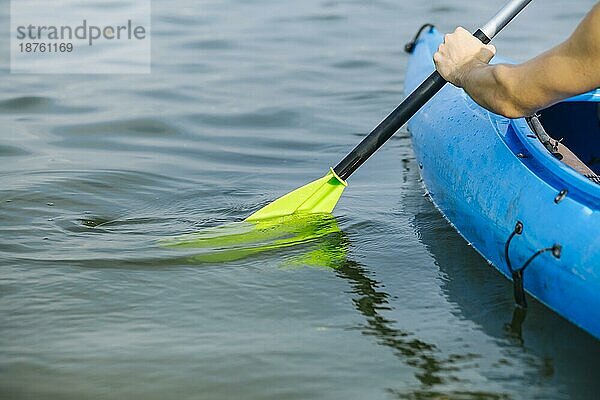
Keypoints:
pixel 540 344
pixel 369 301
pixel 318 241
pixel 434 370
pixel 482 295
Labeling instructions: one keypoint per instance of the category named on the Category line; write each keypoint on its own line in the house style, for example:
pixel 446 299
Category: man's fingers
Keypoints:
pixel 491 48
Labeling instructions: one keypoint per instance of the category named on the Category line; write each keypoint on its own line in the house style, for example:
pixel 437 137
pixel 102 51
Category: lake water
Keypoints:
pixel 246 101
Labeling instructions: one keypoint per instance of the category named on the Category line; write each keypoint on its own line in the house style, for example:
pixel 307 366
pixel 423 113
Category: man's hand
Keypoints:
pixel 518 90
pixel 460 53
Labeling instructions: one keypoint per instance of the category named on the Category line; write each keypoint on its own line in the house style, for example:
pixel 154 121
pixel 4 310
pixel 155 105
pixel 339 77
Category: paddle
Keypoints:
pixel 322 195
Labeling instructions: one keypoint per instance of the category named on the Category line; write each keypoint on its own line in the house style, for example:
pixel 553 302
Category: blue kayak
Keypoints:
pixel 523 192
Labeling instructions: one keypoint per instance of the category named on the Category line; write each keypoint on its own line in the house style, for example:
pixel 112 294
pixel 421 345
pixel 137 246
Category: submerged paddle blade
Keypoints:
pixel 309 239
pixel 319 196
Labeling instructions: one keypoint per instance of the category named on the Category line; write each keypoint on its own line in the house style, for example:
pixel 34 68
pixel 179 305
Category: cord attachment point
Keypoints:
pixel 517 274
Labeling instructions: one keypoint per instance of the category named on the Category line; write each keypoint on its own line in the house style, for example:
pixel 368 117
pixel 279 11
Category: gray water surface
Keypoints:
pixel 246 101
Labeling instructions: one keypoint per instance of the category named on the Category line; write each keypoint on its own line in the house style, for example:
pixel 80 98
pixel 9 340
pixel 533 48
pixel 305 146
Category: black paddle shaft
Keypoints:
pixel 390 125
pixel 419 97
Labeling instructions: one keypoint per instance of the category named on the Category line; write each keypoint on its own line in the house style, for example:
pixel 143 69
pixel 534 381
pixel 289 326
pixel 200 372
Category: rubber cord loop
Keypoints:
pixel 517 274
pixel 410 46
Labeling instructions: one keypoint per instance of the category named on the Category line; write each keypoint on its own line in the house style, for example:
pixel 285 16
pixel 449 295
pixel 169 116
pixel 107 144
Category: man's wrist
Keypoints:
pixel 468 72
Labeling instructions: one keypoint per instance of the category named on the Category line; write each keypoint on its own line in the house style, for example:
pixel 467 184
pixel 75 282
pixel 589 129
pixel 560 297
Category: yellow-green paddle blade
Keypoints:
pixel 326 243
pixel 319 196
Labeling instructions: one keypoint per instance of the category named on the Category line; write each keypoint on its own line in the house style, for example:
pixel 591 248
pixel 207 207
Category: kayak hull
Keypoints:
pixel 485 173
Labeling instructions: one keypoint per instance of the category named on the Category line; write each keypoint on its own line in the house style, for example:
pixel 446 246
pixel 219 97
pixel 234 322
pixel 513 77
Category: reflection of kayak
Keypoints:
pixel 504 191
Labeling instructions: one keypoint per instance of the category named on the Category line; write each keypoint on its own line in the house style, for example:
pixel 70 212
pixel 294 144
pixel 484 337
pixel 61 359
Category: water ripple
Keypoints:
pixel 38 105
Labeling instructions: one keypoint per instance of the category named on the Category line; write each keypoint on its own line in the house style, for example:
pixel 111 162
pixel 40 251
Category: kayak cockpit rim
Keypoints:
pixel 552 170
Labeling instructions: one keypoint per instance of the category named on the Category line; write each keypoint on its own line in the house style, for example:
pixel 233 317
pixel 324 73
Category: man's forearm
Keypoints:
pixel 495 88
pixel 514 91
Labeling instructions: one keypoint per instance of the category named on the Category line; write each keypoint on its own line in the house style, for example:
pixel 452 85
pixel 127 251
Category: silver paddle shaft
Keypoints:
pixel 503 17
